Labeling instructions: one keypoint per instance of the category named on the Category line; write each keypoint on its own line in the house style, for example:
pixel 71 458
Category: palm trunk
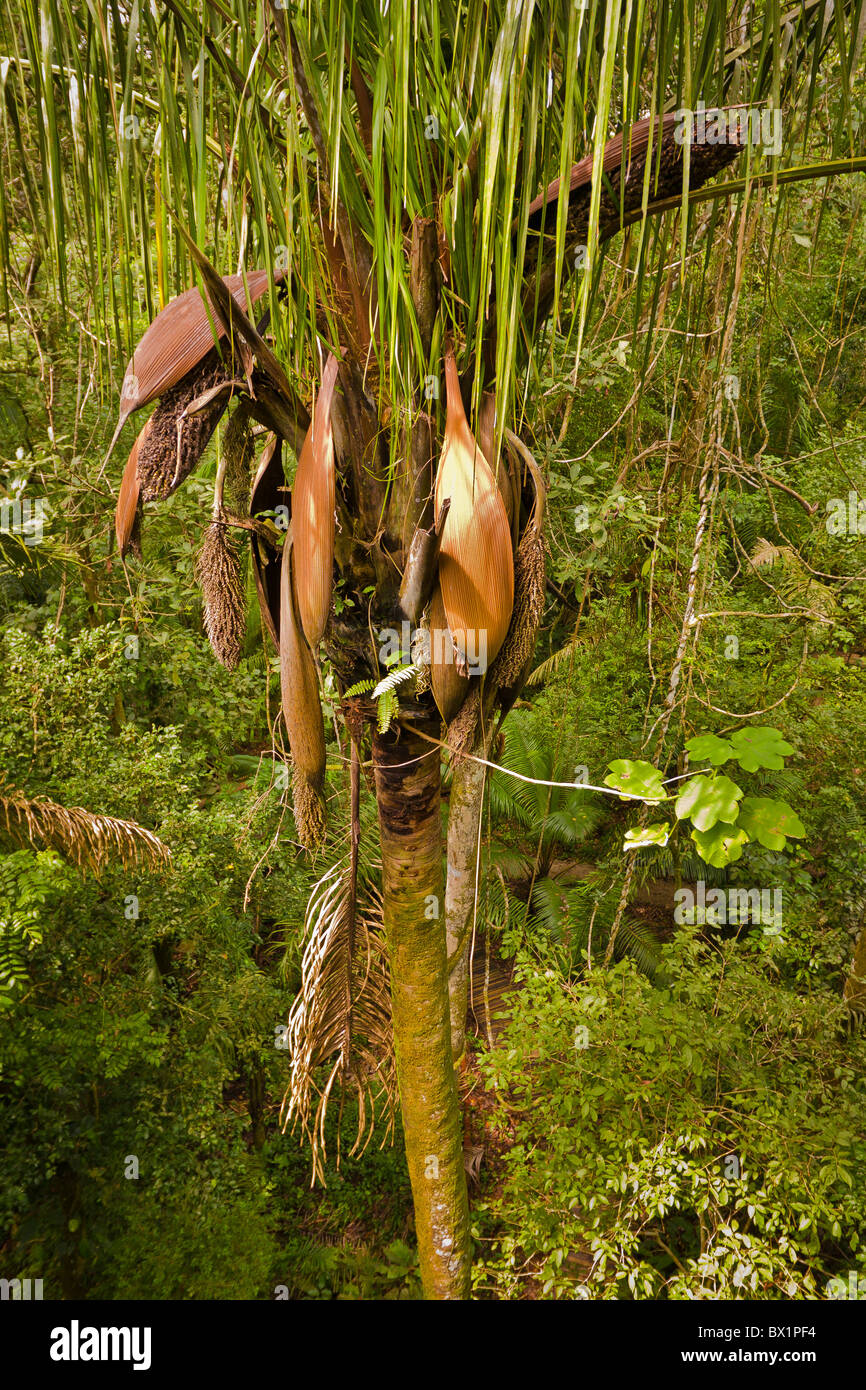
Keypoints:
pixel 464 814
pixel 407 791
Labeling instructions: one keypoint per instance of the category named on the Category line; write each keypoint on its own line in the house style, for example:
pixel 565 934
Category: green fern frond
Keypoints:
pixel 387 710
pixel 359 688
pixel 16 939
pixel 635 939
pixel 549 667
pixel 393 679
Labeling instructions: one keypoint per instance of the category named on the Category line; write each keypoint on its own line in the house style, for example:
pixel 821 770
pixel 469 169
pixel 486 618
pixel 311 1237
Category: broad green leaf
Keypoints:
pixel 770 822
pixel 720 846
pixel 706 800
pixel 658 834
pixel 636 778
pixel 709 748
pixel 760 747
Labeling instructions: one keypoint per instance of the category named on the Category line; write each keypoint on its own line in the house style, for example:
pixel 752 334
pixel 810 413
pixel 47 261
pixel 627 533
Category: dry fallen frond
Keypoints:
pixel 218 570
pixel 705 160
pixel 90 841
pixel 339 1027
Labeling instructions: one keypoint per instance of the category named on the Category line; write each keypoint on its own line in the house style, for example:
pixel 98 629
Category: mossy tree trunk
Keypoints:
pixel 407 774
pixel 464 818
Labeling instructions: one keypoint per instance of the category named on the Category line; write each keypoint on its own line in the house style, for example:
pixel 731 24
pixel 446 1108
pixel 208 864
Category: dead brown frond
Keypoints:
pixel 88 840
pixel 179 338
pixel 705 161
pixel 339 1027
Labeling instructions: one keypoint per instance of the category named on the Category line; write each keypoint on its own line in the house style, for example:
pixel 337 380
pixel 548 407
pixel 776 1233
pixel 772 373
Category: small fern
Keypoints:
pixel 387 710
pixel 359 688
pixel 385 692
pixel 393 679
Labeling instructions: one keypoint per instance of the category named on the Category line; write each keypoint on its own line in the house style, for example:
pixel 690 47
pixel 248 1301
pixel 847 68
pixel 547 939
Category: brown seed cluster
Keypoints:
pixel 218 569
pixel 239 454
pixel 309 811
pixel 173 447
pixel 529 583
pixel 462 730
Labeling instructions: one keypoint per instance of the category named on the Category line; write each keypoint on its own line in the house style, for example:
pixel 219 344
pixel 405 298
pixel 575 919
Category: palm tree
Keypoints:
pixel 407 176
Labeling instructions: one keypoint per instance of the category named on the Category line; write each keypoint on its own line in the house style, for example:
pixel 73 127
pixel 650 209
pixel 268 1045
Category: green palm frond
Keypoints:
pixel 564 917
pixel 636 940
pixel 558 816
pixel 348 121
pixel 559 659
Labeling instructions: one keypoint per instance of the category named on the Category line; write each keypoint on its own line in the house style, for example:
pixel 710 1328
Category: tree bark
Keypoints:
pixel 464 813
pixel 407 791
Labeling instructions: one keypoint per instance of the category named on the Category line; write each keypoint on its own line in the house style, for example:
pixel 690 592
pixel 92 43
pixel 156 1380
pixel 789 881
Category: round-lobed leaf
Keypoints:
pixel 651 835
pixel 709 748
pixel 636 778
pixel 722 845
pixel 760 747
pixel 770 822
pixel 706 800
